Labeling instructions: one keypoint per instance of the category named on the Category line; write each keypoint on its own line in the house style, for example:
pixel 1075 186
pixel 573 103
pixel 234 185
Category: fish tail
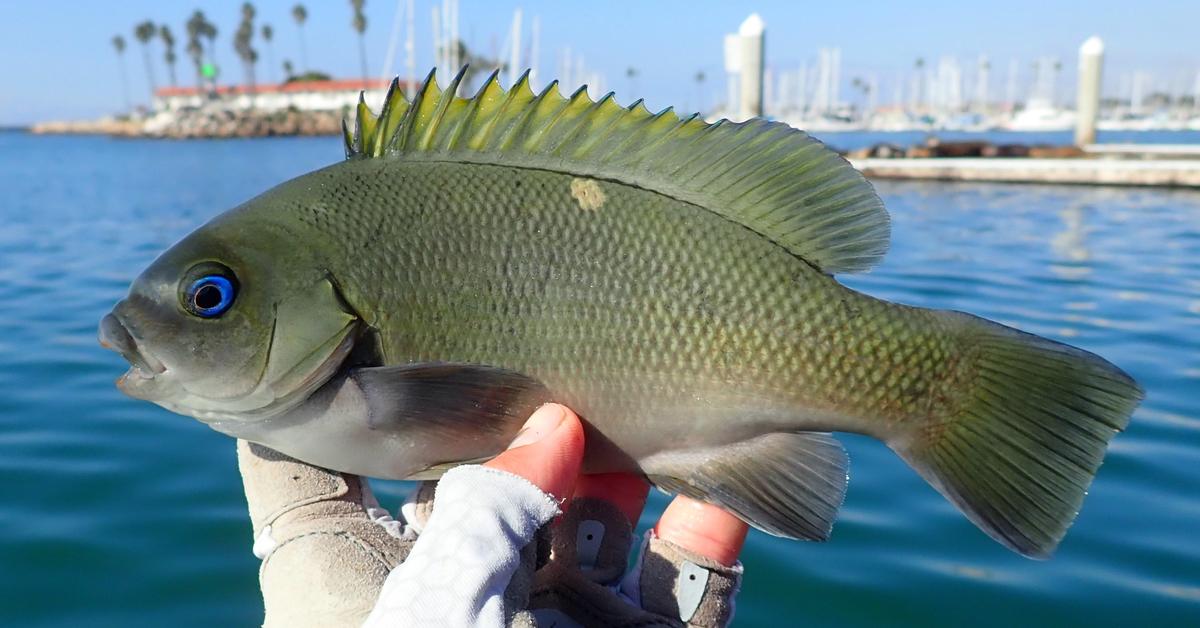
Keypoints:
pixel 1017 452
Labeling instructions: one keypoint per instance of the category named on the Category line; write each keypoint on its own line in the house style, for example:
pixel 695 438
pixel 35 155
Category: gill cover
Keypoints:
pixel 312 333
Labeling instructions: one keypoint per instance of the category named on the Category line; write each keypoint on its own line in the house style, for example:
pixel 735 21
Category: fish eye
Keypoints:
pixel 209 296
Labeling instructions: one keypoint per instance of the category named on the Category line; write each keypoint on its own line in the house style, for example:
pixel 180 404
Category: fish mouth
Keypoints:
pixel 143 366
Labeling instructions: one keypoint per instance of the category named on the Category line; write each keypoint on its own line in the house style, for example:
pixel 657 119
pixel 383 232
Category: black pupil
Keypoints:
pixel 207 297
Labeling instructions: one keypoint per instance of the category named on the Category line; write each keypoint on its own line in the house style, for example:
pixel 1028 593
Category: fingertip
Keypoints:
pixel 548 451
pixel 703 528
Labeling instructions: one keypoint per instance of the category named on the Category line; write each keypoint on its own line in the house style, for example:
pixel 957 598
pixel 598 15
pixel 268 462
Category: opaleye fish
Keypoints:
pixel 403 311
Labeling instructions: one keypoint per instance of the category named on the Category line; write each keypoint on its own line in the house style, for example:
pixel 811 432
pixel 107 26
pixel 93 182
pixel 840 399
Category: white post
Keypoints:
pixel 733 52
pixel 1087 102
pixel 514 55
pixel 535 49
pixel 410 50
pixel 751 35
pixel 439 51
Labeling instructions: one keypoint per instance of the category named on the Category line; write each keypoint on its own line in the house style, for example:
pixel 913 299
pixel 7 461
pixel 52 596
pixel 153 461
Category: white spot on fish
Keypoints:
pixel 587 193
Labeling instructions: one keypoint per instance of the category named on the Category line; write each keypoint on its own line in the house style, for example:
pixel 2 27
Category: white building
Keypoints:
pixel 302 95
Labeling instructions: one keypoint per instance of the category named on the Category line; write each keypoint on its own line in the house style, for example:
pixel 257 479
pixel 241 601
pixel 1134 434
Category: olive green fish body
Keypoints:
pixel 672 281
pixel 642 312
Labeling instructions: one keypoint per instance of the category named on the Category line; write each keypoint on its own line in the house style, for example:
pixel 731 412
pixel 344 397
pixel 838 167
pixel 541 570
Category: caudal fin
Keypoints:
pixel 1019 454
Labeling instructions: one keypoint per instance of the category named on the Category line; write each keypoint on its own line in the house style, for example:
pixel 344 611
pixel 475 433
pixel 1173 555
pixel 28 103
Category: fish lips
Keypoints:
pixel 144 367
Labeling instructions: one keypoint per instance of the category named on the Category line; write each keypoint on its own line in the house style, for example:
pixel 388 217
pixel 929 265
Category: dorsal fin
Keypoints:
pixel 764 175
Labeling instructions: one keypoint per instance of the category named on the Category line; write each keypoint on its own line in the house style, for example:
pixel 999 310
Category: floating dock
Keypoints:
pixel 1121 165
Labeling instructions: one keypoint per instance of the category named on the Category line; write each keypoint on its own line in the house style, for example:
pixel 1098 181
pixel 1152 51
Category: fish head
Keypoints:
pixel 234 323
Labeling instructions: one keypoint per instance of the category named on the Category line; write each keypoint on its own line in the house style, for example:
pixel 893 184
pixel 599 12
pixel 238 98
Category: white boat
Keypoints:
pixel 1041 116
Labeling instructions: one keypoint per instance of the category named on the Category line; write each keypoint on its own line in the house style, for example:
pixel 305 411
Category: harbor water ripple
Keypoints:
pixel 118 513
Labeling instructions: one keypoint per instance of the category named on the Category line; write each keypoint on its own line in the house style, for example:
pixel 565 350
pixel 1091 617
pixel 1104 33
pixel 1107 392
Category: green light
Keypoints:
pixel 208 70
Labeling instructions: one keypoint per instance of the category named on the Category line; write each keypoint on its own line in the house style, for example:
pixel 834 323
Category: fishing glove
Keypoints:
pixel 483 556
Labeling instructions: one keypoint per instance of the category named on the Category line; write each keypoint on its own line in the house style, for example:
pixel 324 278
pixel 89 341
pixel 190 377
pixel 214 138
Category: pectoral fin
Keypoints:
pixel 789 485
pixel 462 412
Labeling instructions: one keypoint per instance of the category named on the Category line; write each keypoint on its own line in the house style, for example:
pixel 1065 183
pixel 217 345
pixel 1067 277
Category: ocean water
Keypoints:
pixel 117 513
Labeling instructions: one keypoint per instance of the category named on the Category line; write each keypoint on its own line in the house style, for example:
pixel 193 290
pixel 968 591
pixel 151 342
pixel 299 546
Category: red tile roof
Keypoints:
pixel 292 87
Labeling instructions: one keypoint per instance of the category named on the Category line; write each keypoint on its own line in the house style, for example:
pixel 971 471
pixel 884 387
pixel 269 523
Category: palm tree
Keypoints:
pixel 360 26
pixel 198 26
pixel 168 39
pixel 699 78
pixel 268 34
pixel 242 43
pixel 118 44
pixel 145 32
pixel 300 14
pixel 288 70
pixel 631 75
pixel 194 48
pixel 210 33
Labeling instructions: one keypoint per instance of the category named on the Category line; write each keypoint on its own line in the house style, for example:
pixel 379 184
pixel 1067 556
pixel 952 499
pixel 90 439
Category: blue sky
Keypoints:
pixel 56 60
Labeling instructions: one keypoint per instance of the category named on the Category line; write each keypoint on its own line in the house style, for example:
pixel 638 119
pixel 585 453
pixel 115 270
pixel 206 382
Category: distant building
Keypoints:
pixel 302 95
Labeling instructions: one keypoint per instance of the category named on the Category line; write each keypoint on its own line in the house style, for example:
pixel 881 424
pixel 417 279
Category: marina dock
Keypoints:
pixel 1141 170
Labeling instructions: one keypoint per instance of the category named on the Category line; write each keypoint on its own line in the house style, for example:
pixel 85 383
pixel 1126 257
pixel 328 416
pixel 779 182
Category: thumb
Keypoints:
pixel 548 451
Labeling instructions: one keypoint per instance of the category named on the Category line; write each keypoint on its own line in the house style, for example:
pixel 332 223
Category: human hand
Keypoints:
pixel 310 520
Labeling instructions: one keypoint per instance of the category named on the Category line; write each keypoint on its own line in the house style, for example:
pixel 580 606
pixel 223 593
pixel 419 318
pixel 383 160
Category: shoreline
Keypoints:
pixel 1124 165
pixel 202 124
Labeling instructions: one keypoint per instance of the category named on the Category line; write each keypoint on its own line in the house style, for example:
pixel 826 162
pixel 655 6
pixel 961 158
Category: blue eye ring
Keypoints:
pixel 210 296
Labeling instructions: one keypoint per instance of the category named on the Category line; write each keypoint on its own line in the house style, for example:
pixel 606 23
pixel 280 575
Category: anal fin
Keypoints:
pixel 785 484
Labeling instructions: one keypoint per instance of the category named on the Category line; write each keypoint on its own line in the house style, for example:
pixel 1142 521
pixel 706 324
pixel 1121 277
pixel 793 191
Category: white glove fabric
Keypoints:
pixel 467 554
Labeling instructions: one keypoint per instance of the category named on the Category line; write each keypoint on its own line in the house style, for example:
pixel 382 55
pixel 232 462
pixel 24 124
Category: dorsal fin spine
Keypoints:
pixel 551 129
pixel 474 104
pixel 504 141
pixel 642 127
pixel 574 136
pixel 347 139
pixel 546 109
pixel 439 112
pixel 398 106
pixel 402 137
pixel 613 147
pixel 364 122
pixel 484 140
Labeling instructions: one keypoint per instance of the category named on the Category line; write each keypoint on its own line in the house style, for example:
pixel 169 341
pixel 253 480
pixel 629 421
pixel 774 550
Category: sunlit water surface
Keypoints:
pixel 115 512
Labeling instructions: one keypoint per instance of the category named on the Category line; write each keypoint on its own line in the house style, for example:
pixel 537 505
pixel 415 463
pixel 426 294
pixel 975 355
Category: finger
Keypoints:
pixel 703 528
pixel 548 451
pixel 626 491
pixel 688 568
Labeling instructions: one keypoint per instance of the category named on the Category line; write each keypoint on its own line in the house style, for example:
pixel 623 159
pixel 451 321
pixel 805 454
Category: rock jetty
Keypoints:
pixel 205 123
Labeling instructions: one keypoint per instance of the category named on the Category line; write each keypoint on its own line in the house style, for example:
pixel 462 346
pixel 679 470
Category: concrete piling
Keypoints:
pixel 1087 103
